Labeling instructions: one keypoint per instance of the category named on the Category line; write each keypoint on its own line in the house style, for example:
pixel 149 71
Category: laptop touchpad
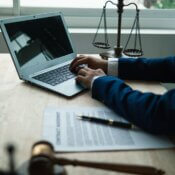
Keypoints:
pixel 69 87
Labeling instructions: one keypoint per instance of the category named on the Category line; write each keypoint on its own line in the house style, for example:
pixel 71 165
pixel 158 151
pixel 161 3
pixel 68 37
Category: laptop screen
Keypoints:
pixel 39 40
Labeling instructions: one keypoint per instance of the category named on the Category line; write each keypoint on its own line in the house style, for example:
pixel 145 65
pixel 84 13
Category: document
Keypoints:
pixel 67 133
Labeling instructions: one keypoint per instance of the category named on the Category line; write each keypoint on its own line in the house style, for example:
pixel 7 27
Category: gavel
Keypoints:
pixel 43 162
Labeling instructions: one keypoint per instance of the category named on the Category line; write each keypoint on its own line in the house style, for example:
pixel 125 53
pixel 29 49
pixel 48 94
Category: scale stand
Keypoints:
pixel 118 50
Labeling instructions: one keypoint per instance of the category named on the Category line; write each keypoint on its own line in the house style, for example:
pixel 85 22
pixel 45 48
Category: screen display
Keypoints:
pixel 39 40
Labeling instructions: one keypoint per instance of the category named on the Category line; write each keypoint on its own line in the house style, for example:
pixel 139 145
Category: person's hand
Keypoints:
pixel 91 62
pixel 85 76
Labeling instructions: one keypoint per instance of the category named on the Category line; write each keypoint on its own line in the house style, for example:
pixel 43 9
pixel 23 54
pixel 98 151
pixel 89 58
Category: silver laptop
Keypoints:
pixel 41 49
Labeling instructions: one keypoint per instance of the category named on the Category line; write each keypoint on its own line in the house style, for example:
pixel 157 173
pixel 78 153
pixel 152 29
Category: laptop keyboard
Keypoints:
pixel 56 76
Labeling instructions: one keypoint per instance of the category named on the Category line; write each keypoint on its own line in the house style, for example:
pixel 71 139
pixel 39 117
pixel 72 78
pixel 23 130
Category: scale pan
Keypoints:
pixel 133 52
pixel 102 45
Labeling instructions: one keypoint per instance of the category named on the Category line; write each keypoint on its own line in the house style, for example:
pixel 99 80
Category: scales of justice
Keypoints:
pixel 118 51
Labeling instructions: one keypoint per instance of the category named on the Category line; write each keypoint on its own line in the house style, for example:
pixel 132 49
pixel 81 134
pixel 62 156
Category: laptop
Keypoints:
pixel 41 49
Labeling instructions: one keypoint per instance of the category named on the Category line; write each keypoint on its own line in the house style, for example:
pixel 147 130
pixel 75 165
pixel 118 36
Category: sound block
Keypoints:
pixel 23 169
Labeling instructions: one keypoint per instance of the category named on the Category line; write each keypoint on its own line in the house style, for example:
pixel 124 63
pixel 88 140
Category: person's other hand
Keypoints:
pixel 85 76
pixel 91 62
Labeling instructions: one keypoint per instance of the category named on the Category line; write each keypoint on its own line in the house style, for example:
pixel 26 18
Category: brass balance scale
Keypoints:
pixel 118 51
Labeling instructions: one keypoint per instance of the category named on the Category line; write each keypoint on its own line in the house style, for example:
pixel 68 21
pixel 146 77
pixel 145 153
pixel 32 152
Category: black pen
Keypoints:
pixel 107 122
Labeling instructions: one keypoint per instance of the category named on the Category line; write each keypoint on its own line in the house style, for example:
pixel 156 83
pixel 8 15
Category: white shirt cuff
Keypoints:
pixel 112 66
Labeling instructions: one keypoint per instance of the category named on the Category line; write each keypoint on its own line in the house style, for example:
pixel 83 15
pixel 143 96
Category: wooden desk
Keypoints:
pixel 21 115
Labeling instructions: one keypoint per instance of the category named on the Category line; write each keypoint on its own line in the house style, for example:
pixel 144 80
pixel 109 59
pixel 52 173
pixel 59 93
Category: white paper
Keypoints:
pixel 68 134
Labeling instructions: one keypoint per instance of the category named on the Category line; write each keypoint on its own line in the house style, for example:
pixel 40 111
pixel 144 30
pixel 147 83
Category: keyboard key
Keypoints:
pixel 56 76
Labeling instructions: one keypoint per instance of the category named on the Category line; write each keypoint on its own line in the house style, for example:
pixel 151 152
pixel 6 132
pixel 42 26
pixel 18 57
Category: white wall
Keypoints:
pixel 154 45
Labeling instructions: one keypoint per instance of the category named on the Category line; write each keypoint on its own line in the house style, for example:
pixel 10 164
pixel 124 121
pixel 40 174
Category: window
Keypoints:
pixel 6 7
pixel 161 4
pixel 6 3
pixel 86 13
pixel 63 3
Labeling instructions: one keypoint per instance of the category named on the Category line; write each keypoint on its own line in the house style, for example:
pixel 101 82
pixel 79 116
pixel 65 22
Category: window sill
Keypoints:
pixel 124 31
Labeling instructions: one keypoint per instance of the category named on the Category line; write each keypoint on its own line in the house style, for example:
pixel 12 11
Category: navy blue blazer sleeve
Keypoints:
pixel 159 69
pixel 151 112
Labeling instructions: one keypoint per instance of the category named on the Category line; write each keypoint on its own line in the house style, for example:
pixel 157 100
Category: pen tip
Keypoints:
pixel 79 117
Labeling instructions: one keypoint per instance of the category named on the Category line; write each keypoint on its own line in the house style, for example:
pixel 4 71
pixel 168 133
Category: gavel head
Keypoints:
pixel 41 162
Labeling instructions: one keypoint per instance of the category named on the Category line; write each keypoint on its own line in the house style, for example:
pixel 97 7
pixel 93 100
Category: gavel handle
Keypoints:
pixel 127 168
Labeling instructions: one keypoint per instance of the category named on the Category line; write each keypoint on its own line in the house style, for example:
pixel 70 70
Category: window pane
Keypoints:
pixel 74 3
pixel 63 3
pixel 153 4
pixel 159 4
pixel 6 3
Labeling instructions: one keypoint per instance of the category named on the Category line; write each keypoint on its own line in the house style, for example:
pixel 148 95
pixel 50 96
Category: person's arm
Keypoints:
pixel 112 69
pixel 153 113
pixel 156 69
